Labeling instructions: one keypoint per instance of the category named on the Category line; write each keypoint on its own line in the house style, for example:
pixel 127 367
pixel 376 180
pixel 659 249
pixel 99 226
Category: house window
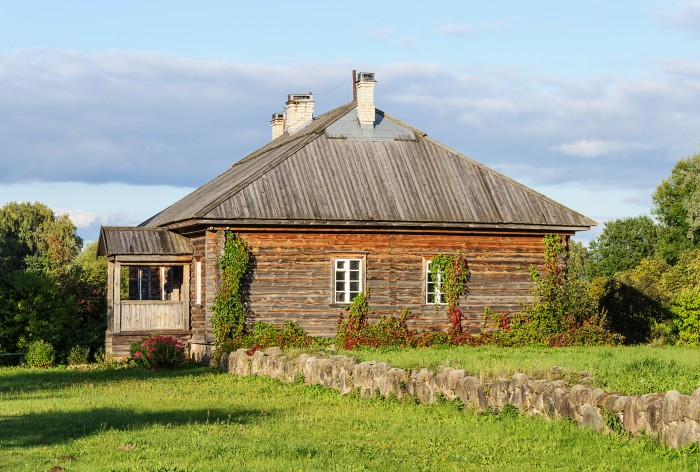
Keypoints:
pixel 433 292
pixel 347 279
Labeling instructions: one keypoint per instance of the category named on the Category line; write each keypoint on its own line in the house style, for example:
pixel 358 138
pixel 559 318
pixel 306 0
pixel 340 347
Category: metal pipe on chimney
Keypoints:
pixel 354 85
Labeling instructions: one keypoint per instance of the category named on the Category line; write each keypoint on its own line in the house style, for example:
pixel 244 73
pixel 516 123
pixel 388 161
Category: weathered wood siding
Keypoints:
pixel 152 315
pixel 292 277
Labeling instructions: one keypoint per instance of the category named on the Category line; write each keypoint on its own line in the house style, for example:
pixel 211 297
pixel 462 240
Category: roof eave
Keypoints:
pixel 223 223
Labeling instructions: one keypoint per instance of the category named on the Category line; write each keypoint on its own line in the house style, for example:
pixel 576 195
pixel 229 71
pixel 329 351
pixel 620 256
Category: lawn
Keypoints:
pixel 629 370
pixel 200 419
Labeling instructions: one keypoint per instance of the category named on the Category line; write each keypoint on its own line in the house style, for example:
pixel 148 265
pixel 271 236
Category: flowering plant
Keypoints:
pixel 158 351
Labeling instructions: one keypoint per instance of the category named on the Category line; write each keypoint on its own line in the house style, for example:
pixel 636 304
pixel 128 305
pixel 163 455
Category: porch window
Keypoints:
pixel 347 279
pixel 433 292
pixel 152 283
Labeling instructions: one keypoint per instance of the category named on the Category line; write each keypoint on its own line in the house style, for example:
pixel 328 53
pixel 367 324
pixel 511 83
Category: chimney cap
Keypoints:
pixel 277 116
pixel 300 97
pixel 365 77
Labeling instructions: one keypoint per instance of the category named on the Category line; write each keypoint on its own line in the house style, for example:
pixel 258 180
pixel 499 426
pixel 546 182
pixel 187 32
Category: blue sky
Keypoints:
pixel 111 112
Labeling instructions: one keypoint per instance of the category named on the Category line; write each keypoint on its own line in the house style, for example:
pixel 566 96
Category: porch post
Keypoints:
pixel 117 327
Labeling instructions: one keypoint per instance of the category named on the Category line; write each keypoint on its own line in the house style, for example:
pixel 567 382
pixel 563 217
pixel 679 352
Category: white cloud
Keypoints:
pixel 684 15
pixel 147 119
pixel 456 29
pixel 466 30
pixel 379 33
pixel 80 218
pixel 588 148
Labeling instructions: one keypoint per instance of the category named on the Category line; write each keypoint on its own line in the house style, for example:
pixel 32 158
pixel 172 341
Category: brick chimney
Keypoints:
pixel 365 99
pixel 277 123
pixel 300 111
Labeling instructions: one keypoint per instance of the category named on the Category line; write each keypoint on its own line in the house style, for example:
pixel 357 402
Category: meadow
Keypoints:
pixel 201 419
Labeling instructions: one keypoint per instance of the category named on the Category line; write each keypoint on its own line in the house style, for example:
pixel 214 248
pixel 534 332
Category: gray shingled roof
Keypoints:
pixel 141 241
pixel 332 172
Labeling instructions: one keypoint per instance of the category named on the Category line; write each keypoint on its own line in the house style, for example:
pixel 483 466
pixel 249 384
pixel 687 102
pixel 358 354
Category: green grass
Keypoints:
pixel 632 370
pixel 200 419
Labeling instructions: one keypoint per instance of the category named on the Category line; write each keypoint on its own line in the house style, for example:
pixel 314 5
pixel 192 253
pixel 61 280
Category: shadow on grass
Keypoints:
pixel 15 380
pixel 57 427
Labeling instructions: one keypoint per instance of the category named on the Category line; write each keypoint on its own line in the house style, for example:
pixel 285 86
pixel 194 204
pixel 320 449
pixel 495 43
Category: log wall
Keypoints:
pixel 293 274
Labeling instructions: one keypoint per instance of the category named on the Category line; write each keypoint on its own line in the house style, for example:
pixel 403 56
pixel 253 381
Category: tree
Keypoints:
pixel 85 282
pixel 49 291
pixel 31 235
pixel 677 208
pixel 33 308
pixel 622 245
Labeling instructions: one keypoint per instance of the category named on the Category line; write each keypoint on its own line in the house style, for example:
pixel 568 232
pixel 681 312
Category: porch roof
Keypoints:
pixel 120 240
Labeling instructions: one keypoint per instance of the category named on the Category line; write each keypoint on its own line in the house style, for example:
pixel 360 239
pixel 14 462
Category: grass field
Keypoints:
pixel 629 370
pixel 199 419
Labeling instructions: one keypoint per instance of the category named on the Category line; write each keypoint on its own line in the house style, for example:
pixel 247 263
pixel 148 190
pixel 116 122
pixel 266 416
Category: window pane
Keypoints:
pixel 355 275
pixel 339 286
pixel 354 286
pixel 340 275
pixel 339 297
pixel 340 264
pixel 354 264
pixel 431 298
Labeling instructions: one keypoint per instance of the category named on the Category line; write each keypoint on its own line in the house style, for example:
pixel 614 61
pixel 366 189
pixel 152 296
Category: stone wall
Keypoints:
pixel 673 418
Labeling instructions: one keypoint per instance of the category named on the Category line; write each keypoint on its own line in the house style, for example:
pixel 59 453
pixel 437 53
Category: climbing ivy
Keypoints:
pixel 454 277
pixel 228 320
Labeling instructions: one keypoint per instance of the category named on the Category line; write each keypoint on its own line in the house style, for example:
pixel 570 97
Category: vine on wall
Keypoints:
pixel 228 319
pixel 454 277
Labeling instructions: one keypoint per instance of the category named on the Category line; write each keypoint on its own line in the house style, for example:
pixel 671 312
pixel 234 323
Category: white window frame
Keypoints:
pixel 438 298
pixel 347 293
pixel 198 282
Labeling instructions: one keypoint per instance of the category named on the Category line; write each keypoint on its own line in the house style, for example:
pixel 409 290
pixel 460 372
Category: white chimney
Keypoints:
pixel 300 111
pixel 365 99
pixel 277 123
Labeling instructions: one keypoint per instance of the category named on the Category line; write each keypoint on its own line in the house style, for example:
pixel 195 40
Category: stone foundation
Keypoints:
pixel 673 418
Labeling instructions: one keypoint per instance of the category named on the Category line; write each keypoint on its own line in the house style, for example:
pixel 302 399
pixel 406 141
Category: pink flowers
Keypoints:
pixel 158 351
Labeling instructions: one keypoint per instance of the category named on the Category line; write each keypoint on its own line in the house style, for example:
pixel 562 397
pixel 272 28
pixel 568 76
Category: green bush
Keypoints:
pixel 32 308
pixel 631 312
pixel 564 312
pixel 266 335
pixel 158 352
pixel 686 309
pixel 40 355
pixel 78 355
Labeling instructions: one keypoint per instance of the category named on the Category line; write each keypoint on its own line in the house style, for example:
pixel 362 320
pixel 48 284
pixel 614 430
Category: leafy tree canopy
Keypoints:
pixel 677 208
pixel 31 235
pixel 622 245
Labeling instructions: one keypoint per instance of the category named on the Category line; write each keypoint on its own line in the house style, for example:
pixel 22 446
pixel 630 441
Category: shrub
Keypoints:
pixel 100 356
pixel 686 309
pixel 40 355
pixel 78 355
pixel 632 313
pixel 267 335
pixel 564 312
pixel 350 329
pixel 157 352
pixel 264 335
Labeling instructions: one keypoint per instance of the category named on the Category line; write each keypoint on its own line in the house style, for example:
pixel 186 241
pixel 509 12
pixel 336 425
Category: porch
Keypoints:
pixel 148 285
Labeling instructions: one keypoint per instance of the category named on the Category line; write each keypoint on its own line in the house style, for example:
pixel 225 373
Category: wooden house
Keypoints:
pixel 334 204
